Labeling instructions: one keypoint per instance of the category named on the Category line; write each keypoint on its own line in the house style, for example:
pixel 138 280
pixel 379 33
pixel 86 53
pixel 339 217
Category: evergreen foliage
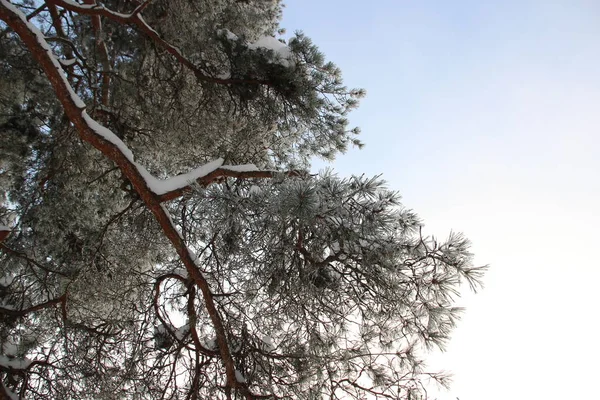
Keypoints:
pixel 254 279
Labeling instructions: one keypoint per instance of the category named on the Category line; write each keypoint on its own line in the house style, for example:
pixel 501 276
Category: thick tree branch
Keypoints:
pixel 74 109
pixel 37 307
pixel 29 16
pixel 225 172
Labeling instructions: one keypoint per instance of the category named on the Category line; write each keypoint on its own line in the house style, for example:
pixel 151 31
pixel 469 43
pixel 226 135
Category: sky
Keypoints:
pixel 485 116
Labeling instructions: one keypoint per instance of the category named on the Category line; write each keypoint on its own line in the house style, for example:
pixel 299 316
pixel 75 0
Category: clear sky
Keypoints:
pixel 485 116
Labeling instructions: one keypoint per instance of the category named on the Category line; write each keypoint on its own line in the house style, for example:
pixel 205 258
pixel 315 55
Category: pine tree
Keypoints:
pixel 162 235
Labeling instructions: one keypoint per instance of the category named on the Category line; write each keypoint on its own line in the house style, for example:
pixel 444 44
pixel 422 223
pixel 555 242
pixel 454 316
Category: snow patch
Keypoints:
pixel 168 214
pixel 9 348
pixel 108 135
pixel 268 343
pixel 67 63
pixel 240 168
pixel 6 280
pixel 143 21
pixel 271 43
pixel 228 34
pixel 159 186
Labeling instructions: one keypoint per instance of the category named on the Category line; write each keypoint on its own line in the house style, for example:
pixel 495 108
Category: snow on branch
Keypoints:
pixel 171 188
pixel 247 171
pixel 177 183
pixel 279 48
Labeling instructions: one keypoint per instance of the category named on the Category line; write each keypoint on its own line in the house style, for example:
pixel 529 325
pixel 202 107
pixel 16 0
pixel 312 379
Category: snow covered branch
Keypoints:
pixel 226 171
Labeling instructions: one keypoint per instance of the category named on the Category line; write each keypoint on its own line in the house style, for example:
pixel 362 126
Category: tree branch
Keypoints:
pixel 60 32
pixel 136 20
pixel 92 132
pixel 226 172
pixel 29 16
pixel 4 234
pixel 37 307
pixel 103 51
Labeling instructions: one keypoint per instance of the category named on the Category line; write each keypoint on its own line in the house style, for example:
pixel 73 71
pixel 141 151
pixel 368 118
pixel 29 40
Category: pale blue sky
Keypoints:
pixel 485 116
